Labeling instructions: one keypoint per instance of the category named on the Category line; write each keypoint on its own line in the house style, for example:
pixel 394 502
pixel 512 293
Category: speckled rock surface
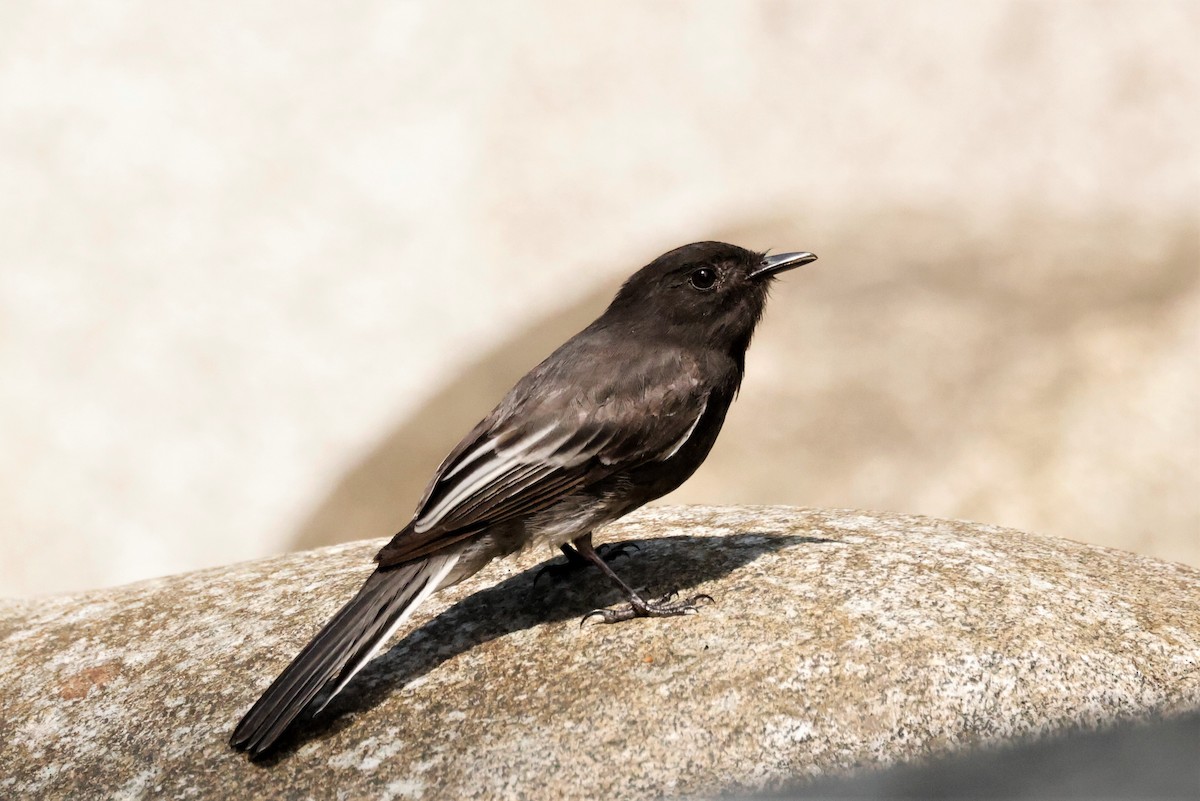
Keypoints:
pixel 838 639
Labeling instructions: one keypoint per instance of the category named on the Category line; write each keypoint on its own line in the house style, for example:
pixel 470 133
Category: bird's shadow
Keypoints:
pixel 660 565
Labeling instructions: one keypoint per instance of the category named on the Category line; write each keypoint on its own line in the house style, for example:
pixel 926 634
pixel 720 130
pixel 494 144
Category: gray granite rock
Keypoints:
pixel 837 640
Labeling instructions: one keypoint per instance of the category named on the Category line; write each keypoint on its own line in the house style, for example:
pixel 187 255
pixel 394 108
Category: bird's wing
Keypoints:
pixel 562 427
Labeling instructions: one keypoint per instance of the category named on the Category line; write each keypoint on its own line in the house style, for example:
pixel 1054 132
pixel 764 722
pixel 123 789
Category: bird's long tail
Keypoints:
pixel 342 647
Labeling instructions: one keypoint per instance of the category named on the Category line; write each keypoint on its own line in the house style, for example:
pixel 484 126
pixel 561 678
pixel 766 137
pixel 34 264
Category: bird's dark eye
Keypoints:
pixel 703 278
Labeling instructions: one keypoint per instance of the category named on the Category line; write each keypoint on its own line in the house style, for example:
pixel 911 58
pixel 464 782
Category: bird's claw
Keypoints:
pixel 609 551
pixel 601 613
pixel 663 607
pixel 556 572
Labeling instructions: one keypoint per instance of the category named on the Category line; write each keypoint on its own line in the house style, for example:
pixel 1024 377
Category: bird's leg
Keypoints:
pixel 638 607
pixel 576 563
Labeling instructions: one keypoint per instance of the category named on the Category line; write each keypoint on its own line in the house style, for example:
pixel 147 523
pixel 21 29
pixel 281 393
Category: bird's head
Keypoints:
pixel 704 293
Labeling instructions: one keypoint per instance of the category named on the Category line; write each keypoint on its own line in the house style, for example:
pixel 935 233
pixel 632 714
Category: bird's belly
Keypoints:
pixel 572 517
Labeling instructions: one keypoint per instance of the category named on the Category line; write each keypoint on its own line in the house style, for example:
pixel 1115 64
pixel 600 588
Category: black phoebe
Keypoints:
pixel 621 414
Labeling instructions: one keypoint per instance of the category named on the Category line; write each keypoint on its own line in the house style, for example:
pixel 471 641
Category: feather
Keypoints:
pixel 343 646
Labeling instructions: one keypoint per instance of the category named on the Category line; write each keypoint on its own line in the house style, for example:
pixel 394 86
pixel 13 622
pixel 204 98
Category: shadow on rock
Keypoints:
pixel 659 566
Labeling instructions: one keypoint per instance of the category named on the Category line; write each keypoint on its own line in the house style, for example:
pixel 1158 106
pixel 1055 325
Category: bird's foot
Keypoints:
pixel 574 563
pixel 666 606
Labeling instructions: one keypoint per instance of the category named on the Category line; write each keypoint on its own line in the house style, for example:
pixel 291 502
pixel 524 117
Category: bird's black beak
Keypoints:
pixel 771 265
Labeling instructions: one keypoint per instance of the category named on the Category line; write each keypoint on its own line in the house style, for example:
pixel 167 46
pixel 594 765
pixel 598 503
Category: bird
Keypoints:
pixel 620 414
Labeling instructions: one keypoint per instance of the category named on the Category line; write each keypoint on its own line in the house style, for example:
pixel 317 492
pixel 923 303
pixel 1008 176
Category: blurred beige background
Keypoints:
pixel 261 264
